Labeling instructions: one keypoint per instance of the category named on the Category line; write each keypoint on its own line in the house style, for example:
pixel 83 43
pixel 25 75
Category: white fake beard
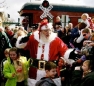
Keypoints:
pixel 47 39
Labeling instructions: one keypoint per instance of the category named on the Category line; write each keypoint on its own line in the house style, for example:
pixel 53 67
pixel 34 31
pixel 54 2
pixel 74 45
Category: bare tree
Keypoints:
pixel 2 3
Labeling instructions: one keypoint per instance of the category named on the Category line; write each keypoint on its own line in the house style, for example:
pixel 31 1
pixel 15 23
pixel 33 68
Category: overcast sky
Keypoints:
pixel 13 6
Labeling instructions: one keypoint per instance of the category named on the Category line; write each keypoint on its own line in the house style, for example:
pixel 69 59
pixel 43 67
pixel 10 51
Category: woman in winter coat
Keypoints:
pixel 87 80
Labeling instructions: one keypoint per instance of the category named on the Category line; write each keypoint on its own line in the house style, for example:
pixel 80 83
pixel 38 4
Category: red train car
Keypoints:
pixel 74 12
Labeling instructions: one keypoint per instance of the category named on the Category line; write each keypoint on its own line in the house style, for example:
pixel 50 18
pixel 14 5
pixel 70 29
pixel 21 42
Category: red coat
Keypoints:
pixel 52 50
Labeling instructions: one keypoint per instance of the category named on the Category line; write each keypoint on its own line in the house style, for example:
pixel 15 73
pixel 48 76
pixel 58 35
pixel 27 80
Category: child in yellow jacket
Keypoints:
pixel 16 69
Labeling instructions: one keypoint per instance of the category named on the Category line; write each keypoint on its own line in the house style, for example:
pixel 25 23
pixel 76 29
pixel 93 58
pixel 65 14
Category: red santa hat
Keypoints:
pixel 44 25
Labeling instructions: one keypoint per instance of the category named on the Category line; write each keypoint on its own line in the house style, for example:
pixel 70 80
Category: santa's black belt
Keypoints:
pixel 39 64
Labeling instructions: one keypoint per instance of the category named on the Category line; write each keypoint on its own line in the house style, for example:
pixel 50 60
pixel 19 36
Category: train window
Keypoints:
pixel 79 20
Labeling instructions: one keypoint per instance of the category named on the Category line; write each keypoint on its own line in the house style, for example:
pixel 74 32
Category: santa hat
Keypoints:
pixel 44 25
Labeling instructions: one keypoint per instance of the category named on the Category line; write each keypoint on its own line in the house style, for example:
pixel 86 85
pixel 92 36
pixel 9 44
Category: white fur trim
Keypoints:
pixel 66 56
pixel 39 50
pixel 31 82
pixel 40 74
pixel 36 36
pixel 22 45
pixel 46 51
pixel 48 26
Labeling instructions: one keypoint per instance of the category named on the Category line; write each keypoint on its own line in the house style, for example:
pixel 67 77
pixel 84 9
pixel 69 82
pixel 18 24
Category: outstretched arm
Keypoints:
pixel 21 41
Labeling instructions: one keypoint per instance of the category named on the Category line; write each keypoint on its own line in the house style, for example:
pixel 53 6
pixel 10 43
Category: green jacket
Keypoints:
pixel 9 69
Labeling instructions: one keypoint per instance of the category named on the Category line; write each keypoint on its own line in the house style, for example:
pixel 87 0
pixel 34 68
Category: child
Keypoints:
pixel 50 69
pixel 83 76
pixel 15 69
pixel 63 72
pixel 6 53
pixel 86 67
pixel 87 20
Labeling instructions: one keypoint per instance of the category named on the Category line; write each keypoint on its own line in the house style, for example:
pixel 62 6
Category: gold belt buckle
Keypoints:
pixel 41 65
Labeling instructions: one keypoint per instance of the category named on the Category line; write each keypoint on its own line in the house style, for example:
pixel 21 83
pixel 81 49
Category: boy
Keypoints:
pixel 50 69
pixel 6 53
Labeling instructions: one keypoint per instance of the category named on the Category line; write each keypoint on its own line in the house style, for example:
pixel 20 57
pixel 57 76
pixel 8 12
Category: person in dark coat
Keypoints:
pixel 4 43
pixel 63 71
pixel 87 80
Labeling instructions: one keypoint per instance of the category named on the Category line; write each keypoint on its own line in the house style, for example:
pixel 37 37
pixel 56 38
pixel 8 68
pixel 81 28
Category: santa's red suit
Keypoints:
pixel 50 51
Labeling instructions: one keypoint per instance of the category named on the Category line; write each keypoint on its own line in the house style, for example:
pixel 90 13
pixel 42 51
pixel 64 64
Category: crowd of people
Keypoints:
pixel 48 54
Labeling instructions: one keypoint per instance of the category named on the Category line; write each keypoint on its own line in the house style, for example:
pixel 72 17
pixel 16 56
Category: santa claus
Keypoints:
pixel 44 45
